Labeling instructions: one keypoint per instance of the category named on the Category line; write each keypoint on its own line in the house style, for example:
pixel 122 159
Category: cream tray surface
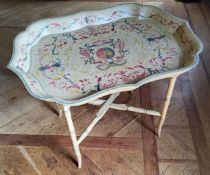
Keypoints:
pixel 84 56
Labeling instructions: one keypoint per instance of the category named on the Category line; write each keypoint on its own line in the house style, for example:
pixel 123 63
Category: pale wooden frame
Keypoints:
pixel 106 104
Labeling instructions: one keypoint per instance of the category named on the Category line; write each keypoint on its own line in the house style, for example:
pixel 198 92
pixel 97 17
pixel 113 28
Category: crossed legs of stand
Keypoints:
pixel 106 104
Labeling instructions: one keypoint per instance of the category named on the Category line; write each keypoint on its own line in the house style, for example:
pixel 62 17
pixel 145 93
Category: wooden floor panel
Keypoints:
pixel 199 76
pixel 176 113
pixel 175 151
pixel 29 160
pixel 22 13
pixel 122 162
pixel 13 162
pixel 179 168
pixel 132 129
pixel 176 143
pixel 67 158
pixel 6 51
pixel 148 134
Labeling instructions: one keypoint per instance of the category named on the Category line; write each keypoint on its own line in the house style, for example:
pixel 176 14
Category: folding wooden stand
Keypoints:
pixel 106 104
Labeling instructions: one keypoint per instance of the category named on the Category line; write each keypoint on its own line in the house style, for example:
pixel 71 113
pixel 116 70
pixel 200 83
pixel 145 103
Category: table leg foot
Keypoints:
pixel 166 104
pixel 160 125
pixel 60 110
pixel 79 162
pixel 73 135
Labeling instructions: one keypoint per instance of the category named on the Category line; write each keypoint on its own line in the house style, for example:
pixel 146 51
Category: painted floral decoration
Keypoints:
pixel 75 56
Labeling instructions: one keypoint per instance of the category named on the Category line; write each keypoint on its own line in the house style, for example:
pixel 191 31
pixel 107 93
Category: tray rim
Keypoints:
pixel 111 90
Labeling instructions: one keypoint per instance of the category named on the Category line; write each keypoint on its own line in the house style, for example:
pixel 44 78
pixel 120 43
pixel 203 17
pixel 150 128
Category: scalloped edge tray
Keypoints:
pixel 24 41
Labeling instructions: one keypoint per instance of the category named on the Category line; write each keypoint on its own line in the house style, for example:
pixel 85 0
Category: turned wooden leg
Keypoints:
pixel 60 110
pixel 98 116
pixel 73 135
pixel 166 103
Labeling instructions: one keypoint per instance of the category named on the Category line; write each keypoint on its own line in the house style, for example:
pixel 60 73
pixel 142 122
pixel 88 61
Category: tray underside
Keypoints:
pixel 75 64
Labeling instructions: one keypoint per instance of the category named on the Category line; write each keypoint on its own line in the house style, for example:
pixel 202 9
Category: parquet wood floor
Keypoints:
pixel 34 141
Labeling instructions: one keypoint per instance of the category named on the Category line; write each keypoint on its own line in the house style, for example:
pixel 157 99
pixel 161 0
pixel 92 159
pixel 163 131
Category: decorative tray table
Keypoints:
pixel 80 58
